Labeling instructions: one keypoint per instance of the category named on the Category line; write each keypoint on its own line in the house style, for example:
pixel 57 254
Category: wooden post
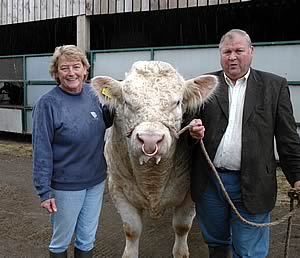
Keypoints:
pixel 83 32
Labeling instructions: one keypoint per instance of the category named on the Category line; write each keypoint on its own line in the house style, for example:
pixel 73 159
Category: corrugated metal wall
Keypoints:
pixel 19 11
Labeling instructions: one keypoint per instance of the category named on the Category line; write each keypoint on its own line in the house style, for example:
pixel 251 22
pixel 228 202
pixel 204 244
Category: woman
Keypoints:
pixel 69 167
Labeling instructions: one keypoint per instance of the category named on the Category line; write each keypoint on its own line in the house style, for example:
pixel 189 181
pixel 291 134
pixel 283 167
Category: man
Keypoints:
pixel 248 110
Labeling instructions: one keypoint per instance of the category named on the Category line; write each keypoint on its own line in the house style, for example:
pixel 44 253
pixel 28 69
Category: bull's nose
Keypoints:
pixel 150 142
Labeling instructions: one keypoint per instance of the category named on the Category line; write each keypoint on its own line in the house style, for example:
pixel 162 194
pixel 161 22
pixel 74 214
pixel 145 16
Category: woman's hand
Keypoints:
pixel 49 205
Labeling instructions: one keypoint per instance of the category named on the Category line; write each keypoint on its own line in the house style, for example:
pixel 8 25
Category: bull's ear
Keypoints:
pixel 106 88
pixel 198 90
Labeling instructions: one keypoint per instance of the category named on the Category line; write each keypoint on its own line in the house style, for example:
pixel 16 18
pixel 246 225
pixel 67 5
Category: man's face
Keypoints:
pixel 71 74
pixel 236 56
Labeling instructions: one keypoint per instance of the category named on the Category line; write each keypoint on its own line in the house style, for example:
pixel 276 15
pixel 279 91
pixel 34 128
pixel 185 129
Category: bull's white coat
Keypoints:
pixel 149 105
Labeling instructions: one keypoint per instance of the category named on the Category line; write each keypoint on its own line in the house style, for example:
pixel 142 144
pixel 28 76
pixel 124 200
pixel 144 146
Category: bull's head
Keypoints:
pixel 149 105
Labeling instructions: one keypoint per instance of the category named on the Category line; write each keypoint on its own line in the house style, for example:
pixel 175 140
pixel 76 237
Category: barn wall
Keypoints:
pixel 20 11
pixel 195 26
pixel 37 37
pixel 191 26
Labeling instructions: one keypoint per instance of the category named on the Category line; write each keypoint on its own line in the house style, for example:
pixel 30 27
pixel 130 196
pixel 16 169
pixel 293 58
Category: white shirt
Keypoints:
pixel 230 148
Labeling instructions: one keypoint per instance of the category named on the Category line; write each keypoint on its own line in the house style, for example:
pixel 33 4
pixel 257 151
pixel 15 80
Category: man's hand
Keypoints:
pixel 197 130
pixel 49 205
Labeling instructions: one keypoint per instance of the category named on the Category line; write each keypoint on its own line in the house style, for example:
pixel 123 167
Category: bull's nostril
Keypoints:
pixel 162 138
pixel 140 139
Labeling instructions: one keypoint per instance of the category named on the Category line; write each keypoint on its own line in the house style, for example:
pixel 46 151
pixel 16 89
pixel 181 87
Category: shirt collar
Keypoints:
pixel 243 79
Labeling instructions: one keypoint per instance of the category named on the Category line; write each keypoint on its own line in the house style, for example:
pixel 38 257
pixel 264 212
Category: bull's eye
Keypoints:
pixel 177 103
pixel 125 104
pixel 129 105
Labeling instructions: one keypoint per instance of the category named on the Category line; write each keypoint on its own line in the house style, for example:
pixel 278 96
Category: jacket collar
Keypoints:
pixel 222 95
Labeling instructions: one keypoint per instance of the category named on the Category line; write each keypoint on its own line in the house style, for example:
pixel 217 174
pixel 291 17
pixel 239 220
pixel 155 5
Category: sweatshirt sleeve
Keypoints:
pixel 42 138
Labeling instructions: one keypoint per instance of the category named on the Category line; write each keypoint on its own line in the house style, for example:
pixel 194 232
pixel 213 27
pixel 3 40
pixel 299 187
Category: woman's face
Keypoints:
pixel 71 74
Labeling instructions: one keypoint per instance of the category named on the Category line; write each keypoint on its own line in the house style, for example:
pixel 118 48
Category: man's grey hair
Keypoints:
pixel 230 35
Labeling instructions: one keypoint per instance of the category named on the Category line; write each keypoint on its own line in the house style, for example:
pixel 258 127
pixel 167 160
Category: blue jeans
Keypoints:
pixel 77 212
pixel 220 226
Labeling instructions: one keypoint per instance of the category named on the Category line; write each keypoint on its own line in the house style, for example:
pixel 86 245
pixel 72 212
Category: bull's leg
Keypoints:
pixel 132 224
pixel 182 222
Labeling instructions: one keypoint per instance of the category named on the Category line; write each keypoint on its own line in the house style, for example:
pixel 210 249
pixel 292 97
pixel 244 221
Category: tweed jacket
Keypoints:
pixel 267 114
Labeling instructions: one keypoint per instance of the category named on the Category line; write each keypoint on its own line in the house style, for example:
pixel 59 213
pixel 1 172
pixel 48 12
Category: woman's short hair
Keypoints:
pixel 72 53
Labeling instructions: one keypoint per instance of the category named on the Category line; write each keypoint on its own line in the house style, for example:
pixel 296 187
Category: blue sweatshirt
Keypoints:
pixel 68 141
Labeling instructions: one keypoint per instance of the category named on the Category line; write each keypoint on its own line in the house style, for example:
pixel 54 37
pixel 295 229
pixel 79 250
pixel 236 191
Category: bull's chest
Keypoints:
pixel 152 183
pixel 155 189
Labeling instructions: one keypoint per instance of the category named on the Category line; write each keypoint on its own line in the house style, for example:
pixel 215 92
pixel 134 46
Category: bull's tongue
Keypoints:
pixel 144 159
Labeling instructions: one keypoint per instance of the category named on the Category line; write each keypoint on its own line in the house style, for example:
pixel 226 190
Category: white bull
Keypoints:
pixel 148 167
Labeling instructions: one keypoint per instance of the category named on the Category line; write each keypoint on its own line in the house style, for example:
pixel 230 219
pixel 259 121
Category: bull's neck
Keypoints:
pixel 117 135
pixel 152 178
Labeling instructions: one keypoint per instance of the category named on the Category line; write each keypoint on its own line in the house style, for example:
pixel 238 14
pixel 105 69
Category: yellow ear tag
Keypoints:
pixel 106 92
